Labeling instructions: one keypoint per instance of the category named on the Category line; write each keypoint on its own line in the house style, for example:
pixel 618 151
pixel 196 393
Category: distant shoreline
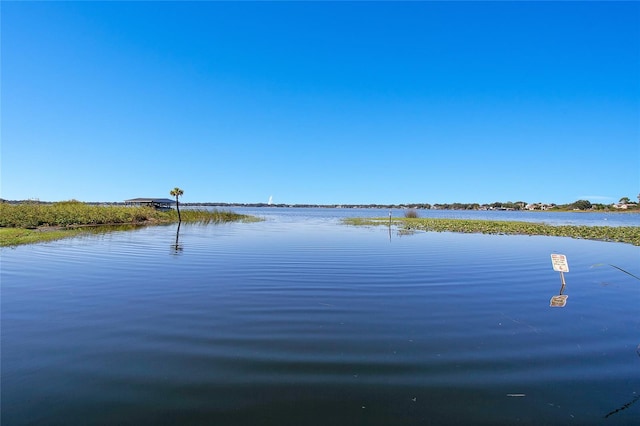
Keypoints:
pixel 635 208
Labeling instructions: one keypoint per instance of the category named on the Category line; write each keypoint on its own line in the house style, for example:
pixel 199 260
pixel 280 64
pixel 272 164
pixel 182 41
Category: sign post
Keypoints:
pixel 559 262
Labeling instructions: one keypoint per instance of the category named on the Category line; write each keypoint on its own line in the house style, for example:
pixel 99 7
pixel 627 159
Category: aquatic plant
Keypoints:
pixel 624 234
pixel 411 214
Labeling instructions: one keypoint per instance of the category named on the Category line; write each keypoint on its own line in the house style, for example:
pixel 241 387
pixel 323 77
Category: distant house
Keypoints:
pixel 158 203
pixel 539 206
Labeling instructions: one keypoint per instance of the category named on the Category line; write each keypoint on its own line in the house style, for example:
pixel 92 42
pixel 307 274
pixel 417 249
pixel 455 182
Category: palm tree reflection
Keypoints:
pixel 177 248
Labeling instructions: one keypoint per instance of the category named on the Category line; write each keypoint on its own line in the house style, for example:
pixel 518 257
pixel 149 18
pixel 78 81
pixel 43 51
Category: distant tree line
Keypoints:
pixel 624 203
pixel 498 205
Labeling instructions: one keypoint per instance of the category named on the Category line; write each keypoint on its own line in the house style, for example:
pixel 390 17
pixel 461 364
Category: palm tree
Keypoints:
pixel 177 192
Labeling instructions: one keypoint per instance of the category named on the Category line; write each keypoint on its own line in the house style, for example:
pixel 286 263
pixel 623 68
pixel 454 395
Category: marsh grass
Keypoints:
pixel 33 222
pixel 624 234
pixel 72 213
pixel 210 216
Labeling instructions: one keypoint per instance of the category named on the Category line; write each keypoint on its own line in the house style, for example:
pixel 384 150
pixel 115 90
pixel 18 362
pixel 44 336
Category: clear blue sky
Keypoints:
pixel 321 102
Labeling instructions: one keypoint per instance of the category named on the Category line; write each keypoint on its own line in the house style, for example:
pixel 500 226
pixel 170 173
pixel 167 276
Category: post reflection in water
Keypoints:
pixel 177 248
pixel 560 300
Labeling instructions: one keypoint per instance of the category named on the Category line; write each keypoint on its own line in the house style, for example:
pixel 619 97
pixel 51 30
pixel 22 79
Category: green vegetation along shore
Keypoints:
pixel 36 222
pixel 623 234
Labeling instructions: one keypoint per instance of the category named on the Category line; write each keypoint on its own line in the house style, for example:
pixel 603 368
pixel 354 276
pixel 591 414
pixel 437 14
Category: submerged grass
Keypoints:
pixel 624 234
pixel 35 222
pixel 17 236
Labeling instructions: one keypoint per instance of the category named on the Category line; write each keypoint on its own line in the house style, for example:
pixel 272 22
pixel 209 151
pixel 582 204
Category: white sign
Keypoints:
pixel 559 262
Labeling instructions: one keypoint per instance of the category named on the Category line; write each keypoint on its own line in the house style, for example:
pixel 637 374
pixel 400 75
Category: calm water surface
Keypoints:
pixel 302 320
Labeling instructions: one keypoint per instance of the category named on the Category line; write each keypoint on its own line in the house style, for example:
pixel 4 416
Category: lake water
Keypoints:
pixel 300 320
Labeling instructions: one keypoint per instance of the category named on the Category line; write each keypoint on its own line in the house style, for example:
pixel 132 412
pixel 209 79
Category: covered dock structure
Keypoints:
pixel 158 203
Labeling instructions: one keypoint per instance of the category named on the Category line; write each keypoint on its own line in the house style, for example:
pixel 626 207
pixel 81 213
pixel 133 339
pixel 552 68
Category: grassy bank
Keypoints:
pixel 34 222
pixel 623 234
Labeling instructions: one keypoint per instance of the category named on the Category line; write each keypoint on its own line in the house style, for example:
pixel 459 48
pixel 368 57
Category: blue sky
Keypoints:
pixel 321 102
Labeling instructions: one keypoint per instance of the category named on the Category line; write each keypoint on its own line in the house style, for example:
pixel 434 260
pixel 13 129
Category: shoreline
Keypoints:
pixel 27 224
pixel 605 208
pixel 614 234
pixel 11 237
